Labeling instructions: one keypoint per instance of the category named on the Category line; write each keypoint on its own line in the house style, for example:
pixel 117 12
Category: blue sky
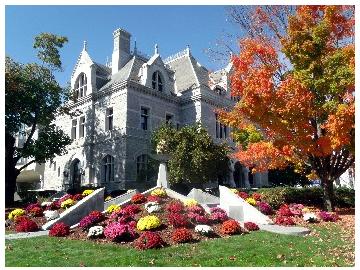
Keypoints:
pixel 171 27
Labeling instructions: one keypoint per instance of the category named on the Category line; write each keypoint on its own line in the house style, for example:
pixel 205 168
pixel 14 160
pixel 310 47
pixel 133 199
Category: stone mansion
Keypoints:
pixel 119 104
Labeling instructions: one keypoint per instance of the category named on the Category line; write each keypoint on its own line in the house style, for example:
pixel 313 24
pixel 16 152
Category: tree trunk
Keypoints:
pixel 11 172
pixel 328 194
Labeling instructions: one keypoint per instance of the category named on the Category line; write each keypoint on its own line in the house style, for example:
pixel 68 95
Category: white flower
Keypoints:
pixel 45 204
pixel 95 231
pixel 152 207
pixel 310 217
pixel 203 229
pixel 50 215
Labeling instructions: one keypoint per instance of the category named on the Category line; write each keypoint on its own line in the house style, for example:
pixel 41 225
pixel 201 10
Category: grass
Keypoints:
pixel 254 249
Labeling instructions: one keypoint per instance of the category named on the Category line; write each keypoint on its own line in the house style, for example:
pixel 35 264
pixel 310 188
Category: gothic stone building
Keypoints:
pixel 119 104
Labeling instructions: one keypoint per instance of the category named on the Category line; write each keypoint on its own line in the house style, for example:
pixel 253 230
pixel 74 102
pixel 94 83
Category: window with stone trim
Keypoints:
pixel 82 127
pixel 169 118
pixel 221 130
pixel 80 86
pixel 157 82
pixel 107 169
pixel 109 121
pixel 142 167
pixel 144 115
pixel 73 129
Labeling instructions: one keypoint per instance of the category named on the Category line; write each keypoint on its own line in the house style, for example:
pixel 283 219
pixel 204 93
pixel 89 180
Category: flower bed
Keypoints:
pixel 39 213
pixel 173 222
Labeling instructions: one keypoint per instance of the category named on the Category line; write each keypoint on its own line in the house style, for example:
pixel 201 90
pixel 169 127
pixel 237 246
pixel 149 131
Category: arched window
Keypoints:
pixel 107 169
pixel 143 168
pixel 157 83
pixel 80 86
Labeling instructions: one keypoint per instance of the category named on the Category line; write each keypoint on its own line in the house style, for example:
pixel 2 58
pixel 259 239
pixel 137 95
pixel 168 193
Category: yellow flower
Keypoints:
pixel 148 223
pixel 16 213
pixel 251 201
pixel 234 190
pixel 190 202
pixel 67 203
pixel 160 192
pixel 306 210
pixel 108 198
pixel 87 192
pixel 113 208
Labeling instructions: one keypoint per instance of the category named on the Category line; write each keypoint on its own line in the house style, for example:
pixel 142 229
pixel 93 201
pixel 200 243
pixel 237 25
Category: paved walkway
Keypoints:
pixel 285 229
pixel 25 235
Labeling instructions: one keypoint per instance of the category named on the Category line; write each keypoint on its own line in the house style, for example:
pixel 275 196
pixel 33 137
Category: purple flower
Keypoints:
pixel 219 216
pixel 217 209
pixel 265 208
pixel 326 216
pixel 119 232
pixel 86 222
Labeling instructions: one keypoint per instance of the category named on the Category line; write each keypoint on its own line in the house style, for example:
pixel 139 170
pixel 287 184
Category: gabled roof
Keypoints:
pixel 84 58
pixel 129 71
pixel 188 71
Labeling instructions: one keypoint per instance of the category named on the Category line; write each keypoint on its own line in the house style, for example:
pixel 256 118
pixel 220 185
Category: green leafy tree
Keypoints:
pixel 33 99
pixel 194 157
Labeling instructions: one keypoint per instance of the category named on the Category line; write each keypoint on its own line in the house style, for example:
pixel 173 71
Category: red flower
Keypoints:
pixel 36 212
pixel 284 220
pixel 230 227
pixel 59 230
pixel 175 207
pixel 97 216
pixel 243 195
pixel 138 198
pixel 152 198
pixel 178 220
pixel 256 196
pixel 149 240
pixel 26 225
pixel 181 236
pixel 251 226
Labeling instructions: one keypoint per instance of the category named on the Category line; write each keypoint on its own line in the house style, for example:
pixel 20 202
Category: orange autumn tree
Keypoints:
pixel 296 88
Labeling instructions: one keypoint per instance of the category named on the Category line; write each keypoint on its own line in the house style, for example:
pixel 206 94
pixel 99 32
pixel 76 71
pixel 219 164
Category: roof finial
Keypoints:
pixel 156 49
pixel 188 49
pixel 135 48
pixel 85 46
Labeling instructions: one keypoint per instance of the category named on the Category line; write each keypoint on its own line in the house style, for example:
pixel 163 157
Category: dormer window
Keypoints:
pixel 157 83
pixel 80 86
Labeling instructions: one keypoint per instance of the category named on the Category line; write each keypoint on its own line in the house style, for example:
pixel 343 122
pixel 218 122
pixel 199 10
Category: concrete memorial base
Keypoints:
pixel 239 209
pixel 120 199
pixel 94 201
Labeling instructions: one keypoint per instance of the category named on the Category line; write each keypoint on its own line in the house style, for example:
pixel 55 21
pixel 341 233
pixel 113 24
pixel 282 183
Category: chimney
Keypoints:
pixel 121 53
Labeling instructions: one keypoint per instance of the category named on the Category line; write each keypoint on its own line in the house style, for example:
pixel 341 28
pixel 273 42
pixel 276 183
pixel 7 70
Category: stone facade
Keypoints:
pixel 119 104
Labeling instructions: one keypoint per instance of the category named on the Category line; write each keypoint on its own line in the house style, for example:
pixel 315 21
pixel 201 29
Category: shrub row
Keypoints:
pixel 344 197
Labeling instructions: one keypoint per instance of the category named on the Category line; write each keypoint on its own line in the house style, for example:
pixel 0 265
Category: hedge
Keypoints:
pixel 312 196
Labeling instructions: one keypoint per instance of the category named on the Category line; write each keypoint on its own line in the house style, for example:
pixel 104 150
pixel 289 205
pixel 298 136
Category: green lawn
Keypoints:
pixel 254 249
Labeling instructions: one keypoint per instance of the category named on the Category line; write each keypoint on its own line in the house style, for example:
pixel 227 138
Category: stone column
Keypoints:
pixel 245 172
pixel 231 174
pixel 162 179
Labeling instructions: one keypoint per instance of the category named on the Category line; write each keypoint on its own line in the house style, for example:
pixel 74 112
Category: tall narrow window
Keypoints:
pixel 54 168
pixel 81 86
pixel 109 119
pixel 144 118
pixel 82 127
pixel 169 119
pixel 157 83
pixel 58 171
pixel 73 129
pixel 142 167
pixel 217 126
pixel 107 169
